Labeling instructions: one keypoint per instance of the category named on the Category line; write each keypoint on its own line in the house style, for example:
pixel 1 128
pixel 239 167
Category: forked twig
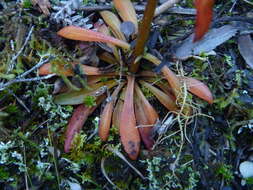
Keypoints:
pixel 121 156
pixel 105 174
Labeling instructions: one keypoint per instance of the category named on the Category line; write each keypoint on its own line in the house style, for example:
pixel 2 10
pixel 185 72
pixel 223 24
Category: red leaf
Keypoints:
pixel 76 122
pixel 204 17
pixel 106 116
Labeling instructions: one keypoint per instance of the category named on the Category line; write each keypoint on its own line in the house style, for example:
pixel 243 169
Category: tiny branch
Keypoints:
pixel 22 48
pixel 164 7
pixel 21 78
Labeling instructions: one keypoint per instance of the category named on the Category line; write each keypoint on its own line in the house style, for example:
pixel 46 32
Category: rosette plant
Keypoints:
pixel 126 106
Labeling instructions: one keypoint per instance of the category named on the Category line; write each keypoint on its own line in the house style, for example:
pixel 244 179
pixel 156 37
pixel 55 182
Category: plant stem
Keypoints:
pixel 143 33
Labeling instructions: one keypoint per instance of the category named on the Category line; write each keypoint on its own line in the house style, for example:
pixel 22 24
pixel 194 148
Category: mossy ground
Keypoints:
pixel 32 126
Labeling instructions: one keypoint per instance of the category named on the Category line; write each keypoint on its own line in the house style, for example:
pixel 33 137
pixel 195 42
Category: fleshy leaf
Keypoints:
pixel 173 80
pixel 67 71
pixel 76 122
pixel 198 88
pixel 204 17
pixel 145 116
pixel 117 111
pixel 129 134
pixel 161 96
pixel 149 110
pixel 106 116
pixel 126 11
pixel 78 33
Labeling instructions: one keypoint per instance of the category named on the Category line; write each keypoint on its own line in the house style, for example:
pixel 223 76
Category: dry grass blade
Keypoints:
pixel 129 134
pixel 126 11
pixel 44 6
pixel 81 34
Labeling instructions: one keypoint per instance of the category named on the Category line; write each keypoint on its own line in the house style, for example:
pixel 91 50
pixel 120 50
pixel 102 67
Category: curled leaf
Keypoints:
pixel 129 134
pixel 78 33
pixel 149 110
pixel 107 57
pixel 204 17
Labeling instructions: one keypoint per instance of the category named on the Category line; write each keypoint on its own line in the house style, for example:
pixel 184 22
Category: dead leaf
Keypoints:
pixel 245 46
pixel 44 5
pixel 126 11
pixel 211 40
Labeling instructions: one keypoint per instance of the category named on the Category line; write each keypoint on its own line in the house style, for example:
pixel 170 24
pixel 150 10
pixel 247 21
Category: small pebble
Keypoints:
pixel 246 169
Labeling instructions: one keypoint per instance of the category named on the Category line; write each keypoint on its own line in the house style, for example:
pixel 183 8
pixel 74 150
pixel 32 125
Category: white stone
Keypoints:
pixel 246 169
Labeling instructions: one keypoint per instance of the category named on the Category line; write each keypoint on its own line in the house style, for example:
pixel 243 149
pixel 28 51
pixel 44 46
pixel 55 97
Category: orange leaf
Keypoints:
pixel 161 96
pixel 149 110
pixel 199 89
pixel 173 80
pixel 145 115
pixel 145 128
pixel 129 134
pixel 126 11
pixel 78 33
pixel 67 71
pixel 106 116
pixel 204 17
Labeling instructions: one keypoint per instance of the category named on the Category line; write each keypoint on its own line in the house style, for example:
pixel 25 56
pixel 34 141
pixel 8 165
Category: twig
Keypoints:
pixel 140 8
pixel 41 62
pixel 21 49
pixel 2 87
pixel 21 78
pixel 115 151
pixel 20 101
pixel 27 177
pixel 105 174
pixel 162 8
pixel 246 1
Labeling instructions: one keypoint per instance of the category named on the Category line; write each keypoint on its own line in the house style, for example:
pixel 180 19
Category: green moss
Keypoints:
pixel 89 101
